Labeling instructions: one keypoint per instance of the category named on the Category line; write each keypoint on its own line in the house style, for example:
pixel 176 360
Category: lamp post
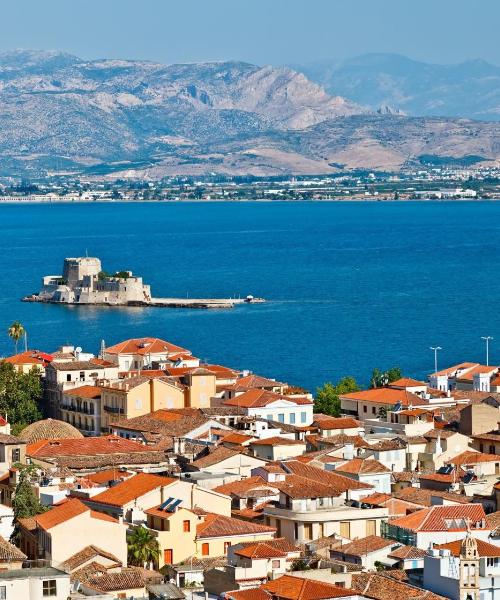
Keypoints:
pixel 435 350
pixel 487 339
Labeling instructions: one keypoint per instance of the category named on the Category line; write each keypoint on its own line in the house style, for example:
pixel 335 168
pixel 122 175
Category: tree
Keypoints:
pixel 25 502
pixel 382 378
pixel 16 332
pixel 20 396
pixel 327 399
pixel 143 547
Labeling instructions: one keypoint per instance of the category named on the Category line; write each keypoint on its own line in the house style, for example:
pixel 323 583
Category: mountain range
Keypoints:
pixel 123 118
pixel 470 89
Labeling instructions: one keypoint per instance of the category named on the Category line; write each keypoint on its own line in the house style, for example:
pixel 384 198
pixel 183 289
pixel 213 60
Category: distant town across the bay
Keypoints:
pixel 425 182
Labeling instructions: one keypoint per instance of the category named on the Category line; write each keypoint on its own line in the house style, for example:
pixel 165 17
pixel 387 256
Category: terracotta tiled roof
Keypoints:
pixel 144 346
pixel 131 578
pixel 237 438
pixel 135 487
pixel 244 485
pixel 451 371
pixel 362 546
pixel 9 552
pixel 85 391
pixel 337 484
pixel 61 513
pixel 277 441
pixel 471 458
pixel 108 475
pixel 376 499
pixel 381 587
pixel 260 550
pixel 250 594
pixel 296 588
pixel 48 429
pixel 337 423
pixel 217 455
pixel 484 548
pixel 388 445
pixel 258 398
pixel 424 497
pixel 89 446
pixel 362 466
pixel 444 518
pixel 469 375
pixel 215 526
pixel 388 396
pixel 31 357
pixel 254 382
pixel 165 422
pixel 88 553
pixel 407 382
pixel 407 553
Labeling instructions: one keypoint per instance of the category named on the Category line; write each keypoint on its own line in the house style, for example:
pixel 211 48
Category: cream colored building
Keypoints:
pixel 67 528
pixel 182 533
pixel 277 448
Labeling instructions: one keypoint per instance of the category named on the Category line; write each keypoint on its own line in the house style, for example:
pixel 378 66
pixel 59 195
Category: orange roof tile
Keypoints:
pixel 362 466
pixel 471 458
pixel 337 423
pixel 444 518
pixel 143 346
pixel 89 446
pixel 407 382
pixel 61 513
pixel 85 391
pixel 260 550
pixel 277 440
pixel 484 548
pixel 289 587
pixel 215 526
pixel 31 357
pixel 257 398
pixel 132 488
pixel 244 485
pixel 362 546
pixel 388 396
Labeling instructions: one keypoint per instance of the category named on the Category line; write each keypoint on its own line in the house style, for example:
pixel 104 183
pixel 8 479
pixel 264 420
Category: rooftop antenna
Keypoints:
pixel 435 349
pixel 487 339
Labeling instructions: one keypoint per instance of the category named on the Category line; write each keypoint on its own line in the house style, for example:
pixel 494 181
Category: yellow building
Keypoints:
pixel 184 533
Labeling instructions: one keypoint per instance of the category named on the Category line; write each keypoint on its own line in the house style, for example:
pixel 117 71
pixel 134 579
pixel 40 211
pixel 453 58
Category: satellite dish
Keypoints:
pixel 78 349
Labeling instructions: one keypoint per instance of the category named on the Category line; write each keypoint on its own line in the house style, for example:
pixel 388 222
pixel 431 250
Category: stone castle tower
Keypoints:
pixel 469 569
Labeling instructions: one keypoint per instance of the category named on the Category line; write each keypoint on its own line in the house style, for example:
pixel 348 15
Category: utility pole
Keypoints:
pixel 487 339
pixel 435 349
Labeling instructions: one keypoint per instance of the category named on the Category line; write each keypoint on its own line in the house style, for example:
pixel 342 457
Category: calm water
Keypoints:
pixel 350 286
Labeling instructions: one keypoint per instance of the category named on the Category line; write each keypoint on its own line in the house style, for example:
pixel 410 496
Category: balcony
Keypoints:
pixel 115 410
pixel 335 513
pixel 81 410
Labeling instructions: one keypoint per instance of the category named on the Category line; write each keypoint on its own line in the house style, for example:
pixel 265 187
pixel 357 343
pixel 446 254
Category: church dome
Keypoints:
pixel 48 429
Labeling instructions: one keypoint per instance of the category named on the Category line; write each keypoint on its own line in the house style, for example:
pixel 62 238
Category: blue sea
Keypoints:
pixel 350 286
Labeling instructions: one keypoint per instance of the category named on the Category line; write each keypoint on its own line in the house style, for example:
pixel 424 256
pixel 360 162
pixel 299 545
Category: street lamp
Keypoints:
pixel 487 339
pixel 435 349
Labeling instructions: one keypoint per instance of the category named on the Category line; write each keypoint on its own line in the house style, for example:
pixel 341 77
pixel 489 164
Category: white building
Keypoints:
pixel 34 584
pixel 468 568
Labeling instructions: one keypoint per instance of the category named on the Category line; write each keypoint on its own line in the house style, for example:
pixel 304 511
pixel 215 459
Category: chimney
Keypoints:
pixel 348 451
pixel 152 406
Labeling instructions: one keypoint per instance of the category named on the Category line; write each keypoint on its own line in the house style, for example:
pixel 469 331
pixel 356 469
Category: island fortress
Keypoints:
pixel 84 282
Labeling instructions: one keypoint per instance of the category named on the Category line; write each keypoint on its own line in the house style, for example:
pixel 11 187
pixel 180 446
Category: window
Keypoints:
pixel 303 417
pixel 292 418
pixel 68 377
pixel 374 410
pixel 491 562
pixel 364 409
pixel 345 529
pixel 186 526
pixel 308 531
pixel 49 587
pixel 371 527
pixel 226 546
pixel 82 375
pixel 16 457
pixel 281 417
pixel 205 549
pixel 269 417
pixel 275 564
pixel 3 592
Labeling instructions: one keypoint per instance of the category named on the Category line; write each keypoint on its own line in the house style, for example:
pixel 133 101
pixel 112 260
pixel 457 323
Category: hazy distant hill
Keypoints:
pixel 469 89
pixel 119 117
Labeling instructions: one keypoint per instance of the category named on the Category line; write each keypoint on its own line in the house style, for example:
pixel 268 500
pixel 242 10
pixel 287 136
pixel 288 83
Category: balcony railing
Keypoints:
pixel 83 411
pixel 114 409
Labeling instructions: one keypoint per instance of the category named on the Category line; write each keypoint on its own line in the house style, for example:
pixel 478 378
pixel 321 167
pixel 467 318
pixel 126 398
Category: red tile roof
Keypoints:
pixel 244 485
pixel 260 550
pixel 388 396
pixel 407 382
pixel 470 458
pixel 337 423
pixel 127 491
pixel 89 446
pixel 484 548
pixel 31 357
pixel 66 511
pixel 215 526
pixel 289 587
pixel 307 481
pixel 444 518
pixel 143 346
pixel 408 553
pixel 362 546
pixel 277 441
pixel 85 391
pixel 256 398
pixel 363 466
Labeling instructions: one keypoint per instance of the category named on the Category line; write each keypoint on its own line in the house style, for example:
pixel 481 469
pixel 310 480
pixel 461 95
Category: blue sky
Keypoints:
pixel 260 31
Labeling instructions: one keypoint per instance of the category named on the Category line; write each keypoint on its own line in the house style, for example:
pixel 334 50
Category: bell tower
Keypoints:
pixel 469 569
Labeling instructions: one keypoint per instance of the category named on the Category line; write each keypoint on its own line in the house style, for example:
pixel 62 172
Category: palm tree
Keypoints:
pixel 16 331
pixel 143 547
